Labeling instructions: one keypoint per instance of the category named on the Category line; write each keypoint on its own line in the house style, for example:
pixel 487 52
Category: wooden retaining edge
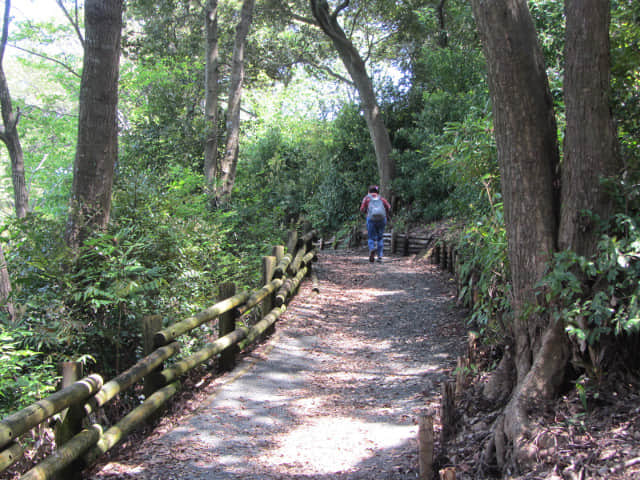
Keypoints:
pixel 316 284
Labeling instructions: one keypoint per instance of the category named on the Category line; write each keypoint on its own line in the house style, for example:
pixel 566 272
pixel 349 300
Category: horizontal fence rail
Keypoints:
pixel 395 242
pixel 82 441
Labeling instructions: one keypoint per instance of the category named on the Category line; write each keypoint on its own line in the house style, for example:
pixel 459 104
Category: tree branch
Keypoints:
pixel 50 59
pixel 301 19
pixel 329 71
pixel 339 8
pixel 5 29
pixel 74 22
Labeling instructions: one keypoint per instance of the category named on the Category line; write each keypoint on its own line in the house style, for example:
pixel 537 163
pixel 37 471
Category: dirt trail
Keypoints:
pixel 334 394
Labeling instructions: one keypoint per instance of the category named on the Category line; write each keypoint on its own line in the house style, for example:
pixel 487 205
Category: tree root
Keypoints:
pixel 512 441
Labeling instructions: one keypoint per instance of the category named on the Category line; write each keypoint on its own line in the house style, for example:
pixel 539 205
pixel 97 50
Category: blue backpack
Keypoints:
pixel 376 210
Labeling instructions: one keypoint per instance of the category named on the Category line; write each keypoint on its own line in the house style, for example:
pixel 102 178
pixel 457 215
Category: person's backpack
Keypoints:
pixel 376 210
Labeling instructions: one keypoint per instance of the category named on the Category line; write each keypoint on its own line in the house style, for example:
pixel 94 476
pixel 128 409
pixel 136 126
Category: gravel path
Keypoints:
pixel 334 394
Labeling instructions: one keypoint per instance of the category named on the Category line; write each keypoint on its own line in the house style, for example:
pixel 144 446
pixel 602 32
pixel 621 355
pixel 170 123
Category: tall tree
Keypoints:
pixel 591 140
pixel 9 133
pixel 229 161
pixel 355 65
pixel 97 148
pixel 537 221
pixel 211 96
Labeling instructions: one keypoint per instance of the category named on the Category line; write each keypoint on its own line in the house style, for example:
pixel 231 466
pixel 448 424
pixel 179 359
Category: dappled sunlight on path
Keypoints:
pixel 335 394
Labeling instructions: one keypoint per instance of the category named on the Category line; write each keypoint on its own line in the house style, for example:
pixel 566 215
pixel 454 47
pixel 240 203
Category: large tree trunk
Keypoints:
pixel 211 99
pixel 9 133
pixel 230 159
pixel 591 141
pixel 528 157
pixel 356 67
pixel 97 147
pixel 525 131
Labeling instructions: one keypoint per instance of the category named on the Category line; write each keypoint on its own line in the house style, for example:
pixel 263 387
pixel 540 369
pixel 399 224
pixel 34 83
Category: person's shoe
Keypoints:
pixel 372 255
pixel 380 259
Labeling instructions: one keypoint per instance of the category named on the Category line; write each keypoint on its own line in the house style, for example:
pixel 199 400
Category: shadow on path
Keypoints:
pixel 335 394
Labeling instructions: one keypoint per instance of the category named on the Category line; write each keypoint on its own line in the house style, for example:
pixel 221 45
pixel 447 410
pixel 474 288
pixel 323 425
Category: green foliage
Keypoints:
pixel 468 157
pixel 625 80
pixel 484 273
pixel 24 376
pixel 444 136
pixel 44 92
pixel 345 175
pixel 305 169
pixel 37 260
pixel 598 297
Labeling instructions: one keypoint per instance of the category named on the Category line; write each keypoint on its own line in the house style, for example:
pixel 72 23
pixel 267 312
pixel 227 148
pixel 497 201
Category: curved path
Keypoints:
pixel 334 394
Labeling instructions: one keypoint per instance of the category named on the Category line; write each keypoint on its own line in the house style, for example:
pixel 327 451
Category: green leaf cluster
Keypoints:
pixel 598 298
pixel 484 274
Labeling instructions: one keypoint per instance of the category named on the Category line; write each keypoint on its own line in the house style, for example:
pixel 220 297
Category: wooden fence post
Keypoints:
pixel 394 241
pixel 405 245
pixel 447 413
pixel 278 252
pixel 425 447
pixel 268 267
pixel 227 324
pixel 443 257
pixel 292 241
pixel 71 423
pixel 452 260
pixel 150 325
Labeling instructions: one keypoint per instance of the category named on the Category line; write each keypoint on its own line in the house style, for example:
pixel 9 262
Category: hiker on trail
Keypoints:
pixel 378 212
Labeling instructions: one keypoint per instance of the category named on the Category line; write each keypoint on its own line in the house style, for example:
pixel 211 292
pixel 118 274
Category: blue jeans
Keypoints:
pixel 375 231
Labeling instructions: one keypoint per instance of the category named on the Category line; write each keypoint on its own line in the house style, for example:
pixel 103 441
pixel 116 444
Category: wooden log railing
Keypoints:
pixel 395 242
pixel 77 449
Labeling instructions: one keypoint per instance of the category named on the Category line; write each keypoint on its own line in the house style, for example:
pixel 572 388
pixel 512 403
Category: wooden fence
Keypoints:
pixel 395 242
pixel 80 440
